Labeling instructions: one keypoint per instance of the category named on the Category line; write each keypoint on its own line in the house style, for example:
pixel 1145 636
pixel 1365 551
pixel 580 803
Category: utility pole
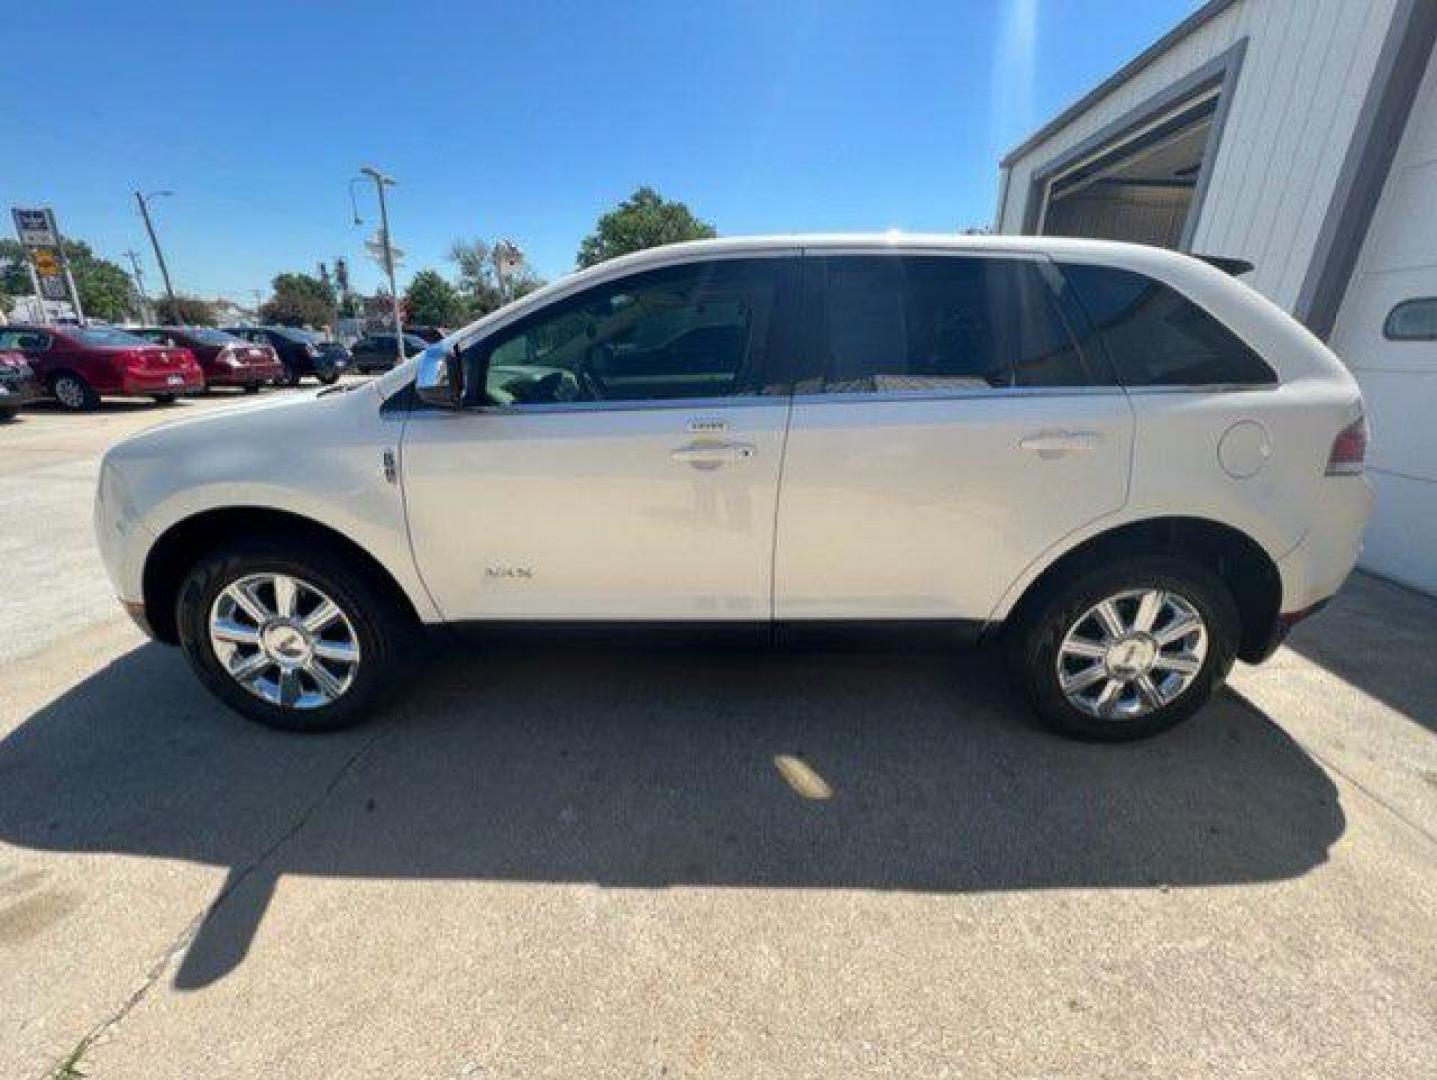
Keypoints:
pixel 380 183
pixel 134 258
pixel 143 200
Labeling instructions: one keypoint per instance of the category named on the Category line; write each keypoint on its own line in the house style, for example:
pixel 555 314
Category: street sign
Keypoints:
pixel 49 270
pixel 36 228
pixel 375 246
pixel 47 262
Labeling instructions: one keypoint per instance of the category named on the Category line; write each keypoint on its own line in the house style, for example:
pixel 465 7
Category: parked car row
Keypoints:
pixel 78 365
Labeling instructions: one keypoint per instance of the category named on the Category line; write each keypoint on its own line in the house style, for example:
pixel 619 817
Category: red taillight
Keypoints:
pixel 1349 450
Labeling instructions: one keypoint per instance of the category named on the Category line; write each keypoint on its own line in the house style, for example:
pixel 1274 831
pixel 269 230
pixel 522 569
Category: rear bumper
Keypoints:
pixel 1316 568
pixel 184 381
pixel 243 374
pixel 15 394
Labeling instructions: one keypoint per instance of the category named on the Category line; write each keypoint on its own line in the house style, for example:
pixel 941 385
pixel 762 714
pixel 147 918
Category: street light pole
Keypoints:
pixel 143 200
pixel 134 257
pixel 380 183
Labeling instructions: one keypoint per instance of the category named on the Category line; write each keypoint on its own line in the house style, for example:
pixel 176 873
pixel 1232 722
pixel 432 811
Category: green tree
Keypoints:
pixel 298 300
pixel 479 279
pixel 644 220
pixel 187 311
pixel 106 291
pixel 432 301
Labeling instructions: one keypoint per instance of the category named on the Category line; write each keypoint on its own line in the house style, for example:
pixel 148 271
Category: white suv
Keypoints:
pixel 1132 465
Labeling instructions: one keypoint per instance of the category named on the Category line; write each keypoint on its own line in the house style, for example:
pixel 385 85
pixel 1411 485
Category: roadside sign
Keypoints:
pixel 36 228
pixel 47 262
pixel 49 270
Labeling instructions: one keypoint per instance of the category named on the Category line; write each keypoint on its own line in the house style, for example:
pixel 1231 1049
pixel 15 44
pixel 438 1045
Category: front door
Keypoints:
pixel 951 432
pixel 626 463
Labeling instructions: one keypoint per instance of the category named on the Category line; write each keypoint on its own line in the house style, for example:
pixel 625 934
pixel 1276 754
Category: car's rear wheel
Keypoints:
pixel 8 414
pixel 329 378
pixel 165 399
pixel 73 392
pixel 251 388
pixel 290 377
pixel 1127 651
pixel 302 643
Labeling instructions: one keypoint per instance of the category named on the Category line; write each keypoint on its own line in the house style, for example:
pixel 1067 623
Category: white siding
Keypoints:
pixel 1399 379
pixel 1307 68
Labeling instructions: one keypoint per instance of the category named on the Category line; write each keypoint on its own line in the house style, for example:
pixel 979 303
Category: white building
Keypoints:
pixel 1300 135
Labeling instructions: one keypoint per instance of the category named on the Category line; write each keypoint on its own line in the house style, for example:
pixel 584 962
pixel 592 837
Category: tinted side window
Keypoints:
pixel 923 323
pixel 688 332
pixel 1157 337
pixel 24 339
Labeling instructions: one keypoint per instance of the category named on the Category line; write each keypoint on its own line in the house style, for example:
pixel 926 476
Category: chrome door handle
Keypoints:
pixel 710 454
pixel 1059 442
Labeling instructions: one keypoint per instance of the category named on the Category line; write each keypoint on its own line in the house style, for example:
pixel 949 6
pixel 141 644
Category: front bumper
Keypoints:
pixel 142 383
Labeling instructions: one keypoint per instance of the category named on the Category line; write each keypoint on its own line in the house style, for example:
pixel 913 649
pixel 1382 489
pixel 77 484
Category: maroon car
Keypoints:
pixel 79 364
pixel 225 359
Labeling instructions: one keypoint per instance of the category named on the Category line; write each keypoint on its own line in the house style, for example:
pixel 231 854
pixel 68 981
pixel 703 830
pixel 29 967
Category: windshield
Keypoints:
pixel 105 337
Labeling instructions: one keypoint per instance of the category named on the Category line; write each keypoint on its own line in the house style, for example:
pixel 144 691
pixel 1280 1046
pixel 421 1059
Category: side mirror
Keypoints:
pixel 440 380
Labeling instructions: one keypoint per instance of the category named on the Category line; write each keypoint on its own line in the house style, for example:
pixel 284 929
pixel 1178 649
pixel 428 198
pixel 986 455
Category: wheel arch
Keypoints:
pixel 171 556
pixel 1244 565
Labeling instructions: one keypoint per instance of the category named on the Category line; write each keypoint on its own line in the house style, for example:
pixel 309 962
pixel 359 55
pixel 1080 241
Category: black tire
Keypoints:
pixel 251 388
pixel 383 631
pixel 1034 643
pixel 329 378
pixel 165 399
pixel 73 392
pixel 7 415
pixel 290 377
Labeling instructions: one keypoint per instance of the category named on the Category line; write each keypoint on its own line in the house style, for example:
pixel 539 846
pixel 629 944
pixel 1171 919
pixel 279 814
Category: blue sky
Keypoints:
pixel 527 120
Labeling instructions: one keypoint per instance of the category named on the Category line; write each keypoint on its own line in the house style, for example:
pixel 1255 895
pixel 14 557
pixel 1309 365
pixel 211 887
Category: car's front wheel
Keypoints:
pixel 294 642
pixel 1127 651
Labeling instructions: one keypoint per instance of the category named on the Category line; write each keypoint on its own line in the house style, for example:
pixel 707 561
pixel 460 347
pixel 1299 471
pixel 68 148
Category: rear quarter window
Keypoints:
pixel 1155 336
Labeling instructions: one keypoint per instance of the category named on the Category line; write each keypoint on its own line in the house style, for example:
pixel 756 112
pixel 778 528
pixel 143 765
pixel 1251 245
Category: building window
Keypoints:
pixel 1412 320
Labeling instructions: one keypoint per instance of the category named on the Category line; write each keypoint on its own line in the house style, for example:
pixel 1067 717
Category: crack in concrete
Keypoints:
pixel 69 1065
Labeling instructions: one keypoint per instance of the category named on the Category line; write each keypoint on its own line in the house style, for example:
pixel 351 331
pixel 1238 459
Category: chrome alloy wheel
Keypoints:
pixel 1131 654
pixel 284 641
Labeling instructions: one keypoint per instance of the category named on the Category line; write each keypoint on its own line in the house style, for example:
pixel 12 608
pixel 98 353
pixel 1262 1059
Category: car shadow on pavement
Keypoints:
pixel 1377 636
pixel 657 768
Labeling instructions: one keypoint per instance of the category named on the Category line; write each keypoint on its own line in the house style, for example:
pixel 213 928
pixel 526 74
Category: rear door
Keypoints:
pixel 948 433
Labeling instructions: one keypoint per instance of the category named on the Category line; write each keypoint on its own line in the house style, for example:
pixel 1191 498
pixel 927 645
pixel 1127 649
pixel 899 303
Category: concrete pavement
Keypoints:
pixel 558 861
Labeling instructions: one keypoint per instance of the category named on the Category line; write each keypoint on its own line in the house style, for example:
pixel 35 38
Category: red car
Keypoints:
pixel 225 359
pixel 78 364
